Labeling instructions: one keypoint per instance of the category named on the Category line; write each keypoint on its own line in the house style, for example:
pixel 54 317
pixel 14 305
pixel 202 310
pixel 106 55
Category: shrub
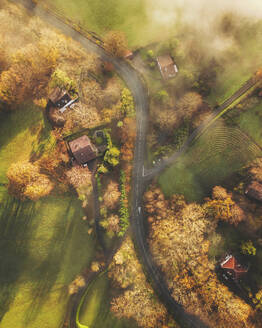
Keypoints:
pixel 60 79
pixel 127 103
pixel 162 96
pixel 112 156
pixel 248 248
pixel 123 211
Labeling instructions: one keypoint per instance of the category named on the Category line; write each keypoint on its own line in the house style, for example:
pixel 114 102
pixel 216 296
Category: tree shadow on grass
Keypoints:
pixel 15 222
pixel 13 122
pixel 45 276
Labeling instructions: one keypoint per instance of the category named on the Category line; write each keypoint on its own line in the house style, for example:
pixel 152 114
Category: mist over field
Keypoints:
pixel 200 12
pixel 202 16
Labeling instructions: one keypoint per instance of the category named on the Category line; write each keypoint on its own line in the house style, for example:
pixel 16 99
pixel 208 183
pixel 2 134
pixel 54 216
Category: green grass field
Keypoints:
pixel 103 16
pixel 250 121
pixel 17 135
pixel 43 244
pixel 215 156
pixel 229 81
pixel 96 308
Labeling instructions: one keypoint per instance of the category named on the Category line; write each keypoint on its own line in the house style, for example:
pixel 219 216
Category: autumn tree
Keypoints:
pixel 76 284
pixel 112 156
pixel 180 245
pixel 115 43
pixel 127 103
pixel 222 207
pixel 80 179
pixel 255 170
pixel 127 136
pixel 60 79
pixel 111 225
pixel 112 195
pixel 166 120
pixel 3 57
pixel 137 300
pixel 28 74
pixel 162 97
pixel 189 104
pixel 26 181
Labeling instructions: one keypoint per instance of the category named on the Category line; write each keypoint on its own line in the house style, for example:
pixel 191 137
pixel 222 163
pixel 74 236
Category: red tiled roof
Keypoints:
pixel 230 263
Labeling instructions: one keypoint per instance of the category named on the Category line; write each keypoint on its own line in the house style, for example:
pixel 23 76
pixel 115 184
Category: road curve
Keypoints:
pixel 135 84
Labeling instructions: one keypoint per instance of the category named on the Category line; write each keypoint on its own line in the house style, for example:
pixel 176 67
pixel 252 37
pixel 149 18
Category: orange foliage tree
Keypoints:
pixel 222 207
pixel 179 244
pixel 28 74
pixel 115 42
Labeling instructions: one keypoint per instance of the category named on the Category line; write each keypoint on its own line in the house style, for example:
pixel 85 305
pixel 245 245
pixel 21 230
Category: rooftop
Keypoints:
pixel 167 66
pixel 83 150
pixel 230 263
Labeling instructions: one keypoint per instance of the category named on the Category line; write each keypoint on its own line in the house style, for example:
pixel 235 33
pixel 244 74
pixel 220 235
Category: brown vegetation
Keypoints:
pixel 178 241
pixel 80 178
pixel 116 43
pixel 222 207
pixel 137 301
pixel 112 195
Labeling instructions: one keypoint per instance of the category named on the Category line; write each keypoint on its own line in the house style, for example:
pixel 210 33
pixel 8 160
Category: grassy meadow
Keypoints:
pixel 43 244
pixel 103 16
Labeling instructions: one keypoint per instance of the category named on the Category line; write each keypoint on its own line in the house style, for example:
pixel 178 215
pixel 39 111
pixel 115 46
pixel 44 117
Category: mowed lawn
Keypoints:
pixel 103 16
pixel 43 244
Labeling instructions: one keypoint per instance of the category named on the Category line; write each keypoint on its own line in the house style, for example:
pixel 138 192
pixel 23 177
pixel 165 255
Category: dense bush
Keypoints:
pixel 123 211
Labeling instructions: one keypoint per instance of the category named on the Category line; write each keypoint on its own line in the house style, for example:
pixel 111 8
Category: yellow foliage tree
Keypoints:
pixel 28 74
pixel 116 43
pixel 25 181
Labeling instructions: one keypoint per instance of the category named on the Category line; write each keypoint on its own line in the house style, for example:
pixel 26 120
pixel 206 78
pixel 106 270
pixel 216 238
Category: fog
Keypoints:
pixel 201 13
pixel 203 18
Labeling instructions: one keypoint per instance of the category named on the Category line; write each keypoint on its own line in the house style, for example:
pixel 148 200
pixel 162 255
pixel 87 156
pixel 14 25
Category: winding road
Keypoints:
pixel 135 83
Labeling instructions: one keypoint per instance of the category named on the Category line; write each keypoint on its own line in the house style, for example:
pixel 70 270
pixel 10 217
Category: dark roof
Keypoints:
pixel 83 150
pixel 59 97
pixel 56 94
pixel 167 66
pixel 231 264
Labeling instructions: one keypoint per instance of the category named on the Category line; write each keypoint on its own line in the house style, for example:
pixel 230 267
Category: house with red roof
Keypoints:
pixel 232 267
